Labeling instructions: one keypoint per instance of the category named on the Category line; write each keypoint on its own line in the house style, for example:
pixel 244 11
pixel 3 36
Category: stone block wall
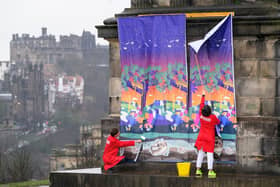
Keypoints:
pixel 257 144
pixel 256 76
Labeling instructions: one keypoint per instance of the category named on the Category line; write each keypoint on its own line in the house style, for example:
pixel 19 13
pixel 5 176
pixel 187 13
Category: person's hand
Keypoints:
pixel 203 92
pixel 138 141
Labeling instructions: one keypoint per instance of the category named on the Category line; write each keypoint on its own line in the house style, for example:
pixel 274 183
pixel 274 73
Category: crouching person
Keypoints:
pixel 110 155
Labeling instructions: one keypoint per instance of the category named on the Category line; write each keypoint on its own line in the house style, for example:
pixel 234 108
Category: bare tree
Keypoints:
pixel 6 145
pixel 20 165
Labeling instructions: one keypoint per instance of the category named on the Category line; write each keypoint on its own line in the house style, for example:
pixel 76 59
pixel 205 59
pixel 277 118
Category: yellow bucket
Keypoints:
pixel 183 169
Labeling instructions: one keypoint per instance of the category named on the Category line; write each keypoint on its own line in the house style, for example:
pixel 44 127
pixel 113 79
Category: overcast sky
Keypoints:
pixel 61 17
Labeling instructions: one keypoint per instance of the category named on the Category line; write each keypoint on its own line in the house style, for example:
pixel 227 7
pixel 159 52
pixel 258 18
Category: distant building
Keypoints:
pixel 51 89
pixel 83 155
pixel 71 54
pixel 4 68
pixel 29 96
pixel 67 158
pixel 45 49
pixel 6 118
pixel 71 86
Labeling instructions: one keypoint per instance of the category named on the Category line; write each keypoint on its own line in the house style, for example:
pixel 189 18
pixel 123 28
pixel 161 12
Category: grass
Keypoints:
pixel 26 183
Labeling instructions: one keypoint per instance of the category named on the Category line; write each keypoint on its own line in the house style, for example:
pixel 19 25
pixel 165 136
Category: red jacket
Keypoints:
pixel 206 136
pixel 110 155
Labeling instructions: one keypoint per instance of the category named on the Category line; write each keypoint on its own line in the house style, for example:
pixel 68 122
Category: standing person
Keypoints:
pixel 205 141
pixel 110 155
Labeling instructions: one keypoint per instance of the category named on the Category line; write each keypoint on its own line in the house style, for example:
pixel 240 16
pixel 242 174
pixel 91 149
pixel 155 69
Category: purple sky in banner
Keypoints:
pixel 148 38
pixel 217 49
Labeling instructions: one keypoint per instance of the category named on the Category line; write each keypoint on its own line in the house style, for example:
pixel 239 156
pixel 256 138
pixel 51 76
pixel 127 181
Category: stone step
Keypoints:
pixel 76 178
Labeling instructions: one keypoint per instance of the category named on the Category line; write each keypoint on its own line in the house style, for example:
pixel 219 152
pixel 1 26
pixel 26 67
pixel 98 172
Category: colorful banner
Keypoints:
pixel 154 83
pixel 211 69
pixel 154 102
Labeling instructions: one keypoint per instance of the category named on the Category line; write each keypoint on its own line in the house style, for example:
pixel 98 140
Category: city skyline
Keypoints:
pixel 62 17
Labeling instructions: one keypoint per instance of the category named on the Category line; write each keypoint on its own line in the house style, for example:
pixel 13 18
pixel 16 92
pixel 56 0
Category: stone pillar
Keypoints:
pixel 159 3
pixel 113 120
pixel 106 125
pixel 115 79
pixel 277 55
pixel 141 4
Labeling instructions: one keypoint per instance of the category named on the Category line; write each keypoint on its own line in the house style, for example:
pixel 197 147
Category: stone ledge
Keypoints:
pixel 76 179
pixel 263 26
pixel 238 9
pixel 168 168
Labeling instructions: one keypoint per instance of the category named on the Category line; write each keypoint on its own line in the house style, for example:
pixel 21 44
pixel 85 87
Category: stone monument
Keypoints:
pixel 256 34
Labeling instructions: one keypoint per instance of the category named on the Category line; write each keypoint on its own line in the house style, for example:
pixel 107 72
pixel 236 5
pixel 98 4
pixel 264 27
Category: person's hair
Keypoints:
pixel 206 111
pixel 114 131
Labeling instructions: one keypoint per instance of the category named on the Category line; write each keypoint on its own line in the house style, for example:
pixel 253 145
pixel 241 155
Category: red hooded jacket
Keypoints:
pixel 110 155
pixel 206 135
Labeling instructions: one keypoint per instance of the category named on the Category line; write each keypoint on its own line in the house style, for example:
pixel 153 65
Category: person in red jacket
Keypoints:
pixel 205 141
pixel 110 155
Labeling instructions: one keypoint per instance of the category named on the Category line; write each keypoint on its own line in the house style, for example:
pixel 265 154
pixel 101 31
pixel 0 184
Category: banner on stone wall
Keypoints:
pixel 156 102
pixel 211 69
pixel 154 84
